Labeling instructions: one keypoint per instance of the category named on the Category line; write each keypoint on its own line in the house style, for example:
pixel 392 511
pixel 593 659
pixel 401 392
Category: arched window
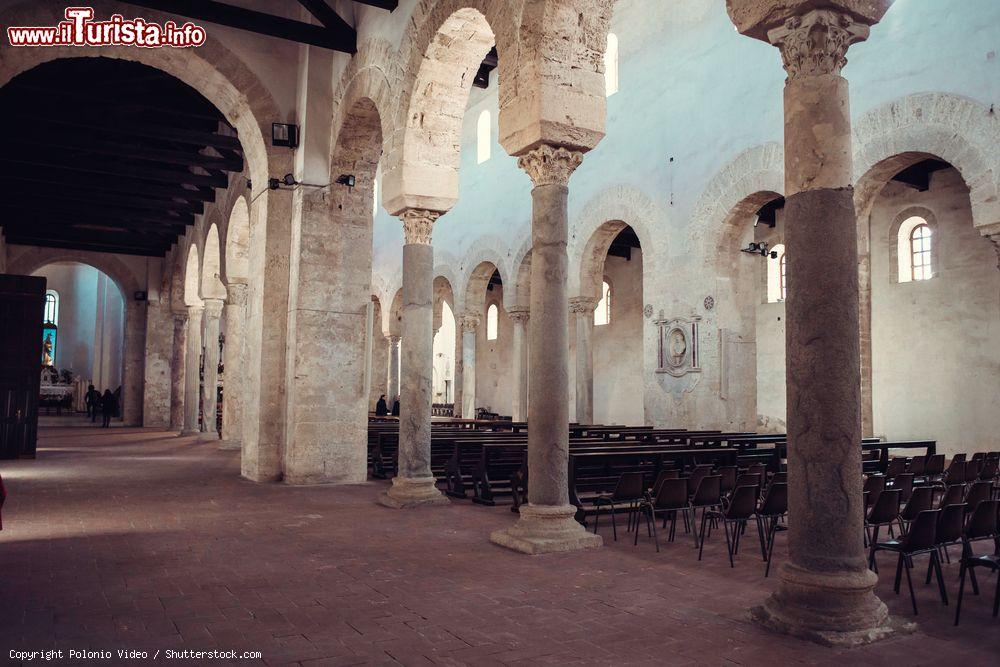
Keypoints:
pixel 611 66
pixel 777 274
pixel 915 244
pixel 484 139
pixel 783 275
pixel 491 322
pixel 602 314
pixel 51 307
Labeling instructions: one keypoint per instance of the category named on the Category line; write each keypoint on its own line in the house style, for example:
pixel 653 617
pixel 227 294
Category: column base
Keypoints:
pixel 830 608
pixel 188 432
pixel 543 529
pixel 408 492
pixel 230 445
pixel 210 436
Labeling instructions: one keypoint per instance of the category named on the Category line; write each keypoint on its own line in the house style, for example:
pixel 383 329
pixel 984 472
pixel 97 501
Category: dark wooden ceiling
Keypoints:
pixel 108 155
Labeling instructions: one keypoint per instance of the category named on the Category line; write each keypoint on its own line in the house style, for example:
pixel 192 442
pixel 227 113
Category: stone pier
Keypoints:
pixel 192 360
pixel 209 399
pixel 825 591
pixel 177 368
pixel 394 342
pixel 582 308
pixel 519 317
pixel 547 522
pixel 414 483
pixel 470 326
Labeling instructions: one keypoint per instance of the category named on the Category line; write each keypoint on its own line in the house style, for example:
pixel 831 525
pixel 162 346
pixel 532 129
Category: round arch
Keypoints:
pixel 192 279
pixel 212 286
pixel 25 260
pixel 237 265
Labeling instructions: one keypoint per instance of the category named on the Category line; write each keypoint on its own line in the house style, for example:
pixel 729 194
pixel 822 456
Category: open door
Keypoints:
pixel 22 304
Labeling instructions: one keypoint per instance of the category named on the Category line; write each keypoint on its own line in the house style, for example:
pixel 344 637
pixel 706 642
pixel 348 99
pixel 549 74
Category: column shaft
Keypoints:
pixel 209 398
pixel 583 313
pixel 134 366
pixel 233 364
pixel 177 370
pixel 414 484
pixel 394 343
pixel 520 360
pixel 192 360
pixel 547 522
pixel 470 328
pixel 457 389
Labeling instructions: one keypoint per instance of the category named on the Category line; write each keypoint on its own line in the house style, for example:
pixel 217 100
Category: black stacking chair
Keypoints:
pixel 742 505
pixel 989 470
pixel 950 529
pixel 874 485
pixel 920 540
pixel 728 475
pixel 953 495
pixel 921 500
pixel 981 526
pixel 884 512
pixel 772 508
pixel 897 466
pixel 707 497
pixel 670 499
pixel 977 493
pixel 902 482
pixel 630 490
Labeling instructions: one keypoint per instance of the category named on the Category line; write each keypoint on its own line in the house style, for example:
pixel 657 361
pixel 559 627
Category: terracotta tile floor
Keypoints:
pixel 138 539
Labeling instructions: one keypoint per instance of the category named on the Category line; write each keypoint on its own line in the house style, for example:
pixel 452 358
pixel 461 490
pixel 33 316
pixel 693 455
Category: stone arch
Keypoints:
pixel 731 192
pixel 382 292
pixel 439 56
pixel 25 260
pixel 520 296
pixel 444 292
pixel 478 266
pixel 212 286
pixel 602 218
pixel 237 255
pixel 396 314
pixel 952 128
pixel 930 220
pixel 192 278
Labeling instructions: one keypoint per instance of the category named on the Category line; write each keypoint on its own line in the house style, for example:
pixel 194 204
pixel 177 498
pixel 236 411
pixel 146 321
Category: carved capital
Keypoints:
pixel 816 43
pixel 180 319
pixel 418 224
pixel 995 240
pixel 518 315
pixel 213 308
pixel 236 294
pixel 470 321
pixel 581 305
pixel 394 340
pixel 550 165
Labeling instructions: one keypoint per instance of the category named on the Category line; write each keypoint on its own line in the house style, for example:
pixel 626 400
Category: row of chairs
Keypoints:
pixel 725 496
pixel 932 531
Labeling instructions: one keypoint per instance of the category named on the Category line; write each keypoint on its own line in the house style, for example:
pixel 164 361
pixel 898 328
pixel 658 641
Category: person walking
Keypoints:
pixel 109 407
pixel 395 407
pixel 381 408
pixel 92 398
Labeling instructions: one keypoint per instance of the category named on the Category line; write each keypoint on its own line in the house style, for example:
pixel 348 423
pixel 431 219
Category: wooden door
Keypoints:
pixel 22 306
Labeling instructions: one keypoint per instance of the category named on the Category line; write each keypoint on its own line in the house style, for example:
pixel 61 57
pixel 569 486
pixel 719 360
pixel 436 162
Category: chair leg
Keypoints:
pixel 656 537
pixel 871 552
pixel 899 574
pixel 936 562
pixel 642 510
pixel 673 525
pixel 614 528
pixel 996 598
pixel 770 546
pixel 729 545
pixel 961 593
pixel 909 583
pixel 701 540
pixel 597 517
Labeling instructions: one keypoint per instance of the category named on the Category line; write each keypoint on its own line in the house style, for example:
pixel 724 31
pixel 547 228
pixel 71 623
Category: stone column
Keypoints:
pixel 209 397
pixel 134 366
pixel 470 327
pixel 826 591
pixel 192 359
pixel 546 522
pixel 414 483
pixel 582 308
pixel 394 342
pixel 156 382
pixel 233 362
pixel 177 368
pixel 456 390
pixel 519 316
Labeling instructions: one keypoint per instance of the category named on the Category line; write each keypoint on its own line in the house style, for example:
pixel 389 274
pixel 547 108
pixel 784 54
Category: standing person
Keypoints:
pixel 92 398
pixel 381 408
pixel 109 407
pixel 395 407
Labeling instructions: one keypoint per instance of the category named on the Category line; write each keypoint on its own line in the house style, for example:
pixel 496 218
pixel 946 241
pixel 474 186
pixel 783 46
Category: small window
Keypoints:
pixel 777 275
pixel 484 140
pixel 920 252
pixel 602 314
pixel 783 275
pixel 611 66
pixel 491 322
pixel 375 195
pixel 51 307
pixel 915 250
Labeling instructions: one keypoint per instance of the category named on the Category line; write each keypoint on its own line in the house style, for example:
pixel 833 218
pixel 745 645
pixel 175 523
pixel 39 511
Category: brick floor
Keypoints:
pixel 138 539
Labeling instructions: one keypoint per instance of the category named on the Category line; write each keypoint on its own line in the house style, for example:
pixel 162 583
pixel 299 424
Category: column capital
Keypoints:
pixel 582 305
pixel 518 315
pixel 816 42
pixel 418 224
pixel 213 307
pixel 470 321
pixel 995 240
pixel 394 339
pixel 180 317
pixel 550 165
pixel 236 294
pixel 195 311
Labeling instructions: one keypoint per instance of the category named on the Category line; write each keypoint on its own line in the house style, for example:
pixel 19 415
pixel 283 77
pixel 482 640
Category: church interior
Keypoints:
pixel 470 332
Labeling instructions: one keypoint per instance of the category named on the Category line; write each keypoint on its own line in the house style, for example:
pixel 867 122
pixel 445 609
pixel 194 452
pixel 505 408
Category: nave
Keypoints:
pixel 136 538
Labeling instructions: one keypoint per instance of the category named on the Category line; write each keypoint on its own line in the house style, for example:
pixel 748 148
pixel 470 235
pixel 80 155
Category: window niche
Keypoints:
pixel 914 246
